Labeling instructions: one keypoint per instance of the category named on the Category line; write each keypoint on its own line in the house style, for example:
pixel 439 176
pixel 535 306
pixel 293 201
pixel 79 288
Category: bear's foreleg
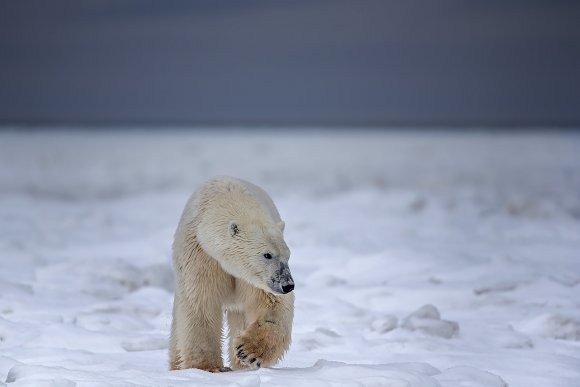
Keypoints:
pixel 265 340
pixel 201 286
pixel 199 338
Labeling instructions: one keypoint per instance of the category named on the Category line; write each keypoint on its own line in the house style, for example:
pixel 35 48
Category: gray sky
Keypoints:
pixel 299 62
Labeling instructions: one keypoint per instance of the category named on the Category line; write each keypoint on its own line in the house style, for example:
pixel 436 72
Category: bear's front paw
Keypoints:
pixel 259 346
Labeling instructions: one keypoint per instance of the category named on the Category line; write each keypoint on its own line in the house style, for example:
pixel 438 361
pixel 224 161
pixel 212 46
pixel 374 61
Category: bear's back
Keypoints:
pixel 226 184
pixel 262 198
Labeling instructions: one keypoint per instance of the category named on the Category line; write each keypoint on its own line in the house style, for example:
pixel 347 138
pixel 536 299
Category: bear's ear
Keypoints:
pixel 281 225
pixel 234 228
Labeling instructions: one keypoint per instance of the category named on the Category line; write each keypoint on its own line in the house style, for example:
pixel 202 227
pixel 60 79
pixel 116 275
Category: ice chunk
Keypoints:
pixel 556 326
pixel 427 319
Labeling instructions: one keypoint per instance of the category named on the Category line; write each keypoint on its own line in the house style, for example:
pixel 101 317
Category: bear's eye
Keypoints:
pixel 268 256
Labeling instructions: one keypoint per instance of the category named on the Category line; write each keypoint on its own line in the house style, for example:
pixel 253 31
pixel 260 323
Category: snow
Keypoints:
pixel 420 258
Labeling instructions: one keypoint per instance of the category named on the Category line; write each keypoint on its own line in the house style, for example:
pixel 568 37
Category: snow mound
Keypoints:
pixel 385 324
pixel 25 375
pixel 511 338
pixel 556 326
pixel 427 319
pixel 566 278
pixel 505 286
pixel 325 373
pixel 462 376
pixel 145 344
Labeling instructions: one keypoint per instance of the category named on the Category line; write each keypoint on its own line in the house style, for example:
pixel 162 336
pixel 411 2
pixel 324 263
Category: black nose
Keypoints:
pixel 287 288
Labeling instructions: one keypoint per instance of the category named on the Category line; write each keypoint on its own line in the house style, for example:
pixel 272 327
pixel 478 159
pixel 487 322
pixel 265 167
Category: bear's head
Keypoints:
pixel 263 255
pixel 253 249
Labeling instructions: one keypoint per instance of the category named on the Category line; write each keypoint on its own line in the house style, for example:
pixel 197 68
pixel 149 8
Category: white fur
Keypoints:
pixel 226 228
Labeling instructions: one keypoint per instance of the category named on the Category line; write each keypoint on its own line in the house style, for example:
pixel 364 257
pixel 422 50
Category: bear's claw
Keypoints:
pixel 248 359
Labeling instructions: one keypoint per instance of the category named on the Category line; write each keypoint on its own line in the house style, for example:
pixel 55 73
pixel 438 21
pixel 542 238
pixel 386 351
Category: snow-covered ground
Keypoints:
pixel 420 258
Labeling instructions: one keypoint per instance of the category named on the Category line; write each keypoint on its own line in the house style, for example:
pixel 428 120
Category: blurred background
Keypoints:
pixel 290 63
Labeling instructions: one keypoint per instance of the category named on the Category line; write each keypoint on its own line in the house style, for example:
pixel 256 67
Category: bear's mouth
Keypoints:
pixel 281 281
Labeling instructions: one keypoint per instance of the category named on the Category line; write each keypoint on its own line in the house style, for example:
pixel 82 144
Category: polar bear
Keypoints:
pixel 230 256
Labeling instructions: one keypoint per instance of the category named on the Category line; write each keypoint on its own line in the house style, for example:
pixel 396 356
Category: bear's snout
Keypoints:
pixel 282 281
